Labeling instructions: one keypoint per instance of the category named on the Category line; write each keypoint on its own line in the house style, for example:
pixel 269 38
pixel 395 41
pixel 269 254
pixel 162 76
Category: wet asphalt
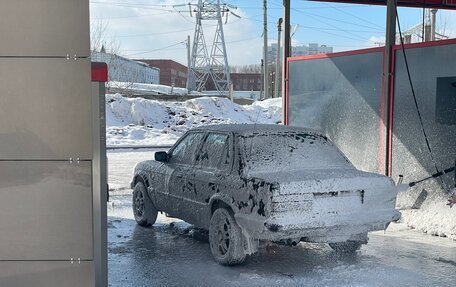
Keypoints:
pixel 173 253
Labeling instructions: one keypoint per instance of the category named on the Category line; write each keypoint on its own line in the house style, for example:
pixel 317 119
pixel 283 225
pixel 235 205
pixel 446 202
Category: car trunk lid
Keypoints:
pixel 329 191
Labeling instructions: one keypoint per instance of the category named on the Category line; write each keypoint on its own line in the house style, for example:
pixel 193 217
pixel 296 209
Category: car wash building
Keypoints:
pixel 390 109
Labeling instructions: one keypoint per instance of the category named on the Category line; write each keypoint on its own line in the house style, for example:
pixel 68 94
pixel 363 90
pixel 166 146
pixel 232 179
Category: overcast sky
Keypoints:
pixel 155 29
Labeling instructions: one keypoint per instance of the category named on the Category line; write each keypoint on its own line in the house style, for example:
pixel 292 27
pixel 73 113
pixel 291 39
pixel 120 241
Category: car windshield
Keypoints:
pixel 274 152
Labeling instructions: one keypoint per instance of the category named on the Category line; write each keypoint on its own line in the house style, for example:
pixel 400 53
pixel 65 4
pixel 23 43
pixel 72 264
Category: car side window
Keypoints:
pixel 185 151
pixel 215 152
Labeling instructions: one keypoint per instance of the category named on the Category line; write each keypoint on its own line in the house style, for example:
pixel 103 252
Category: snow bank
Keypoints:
pixel 434 217
pixel 137 121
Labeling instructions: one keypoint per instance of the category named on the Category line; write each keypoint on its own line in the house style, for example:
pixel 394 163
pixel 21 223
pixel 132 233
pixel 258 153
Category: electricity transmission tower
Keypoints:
pixel 205 66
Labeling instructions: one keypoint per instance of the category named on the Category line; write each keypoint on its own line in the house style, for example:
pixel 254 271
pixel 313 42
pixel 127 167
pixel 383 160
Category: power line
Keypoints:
pixel 354 16
pixel 331 25
pixel 149 34
pixel 159 49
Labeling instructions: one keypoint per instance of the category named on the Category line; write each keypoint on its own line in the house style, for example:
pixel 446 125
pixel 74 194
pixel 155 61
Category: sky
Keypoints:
pixel 158 29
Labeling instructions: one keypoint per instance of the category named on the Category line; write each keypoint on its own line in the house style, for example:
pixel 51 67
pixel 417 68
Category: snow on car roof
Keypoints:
pixel 246 129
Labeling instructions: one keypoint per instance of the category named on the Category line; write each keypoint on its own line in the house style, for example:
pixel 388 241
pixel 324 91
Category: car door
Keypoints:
pixel 213 166
pixel 180 163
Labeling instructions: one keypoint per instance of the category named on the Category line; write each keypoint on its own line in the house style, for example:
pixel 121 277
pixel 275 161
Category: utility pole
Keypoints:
pixel 265 50
pixel 262 80
pixel 189 64
pixel 433 24
pixel 285 55
pixel 277 73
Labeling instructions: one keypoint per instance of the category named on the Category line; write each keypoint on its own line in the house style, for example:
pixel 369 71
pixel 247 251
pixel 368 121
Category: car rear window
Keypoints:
pixel 287 151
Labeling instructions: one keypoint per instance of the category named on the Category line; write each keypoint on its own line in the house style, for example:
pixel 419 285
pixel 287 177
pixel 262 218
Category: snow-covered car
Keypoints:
pixel 246 183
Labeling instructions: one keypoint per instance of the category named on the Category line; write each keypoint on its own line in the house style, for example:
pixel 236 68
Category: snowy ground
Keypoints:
pixel 172 253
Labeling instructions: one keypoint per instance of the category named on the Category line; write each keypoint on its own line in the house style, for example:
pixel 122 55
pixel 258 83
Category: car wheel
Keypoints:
pixel 346 247
pixel 143 208
pixel 225 238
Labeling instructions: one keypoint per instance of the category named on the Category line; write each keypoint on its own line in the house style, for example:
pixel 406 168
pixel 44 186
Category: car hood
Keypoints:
pixel 310 181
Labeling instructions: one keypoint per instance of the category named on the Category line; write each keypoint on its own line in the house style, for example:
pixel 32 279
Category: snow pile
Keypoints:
pixel 434 218
pixel 137 121
pixel 424 208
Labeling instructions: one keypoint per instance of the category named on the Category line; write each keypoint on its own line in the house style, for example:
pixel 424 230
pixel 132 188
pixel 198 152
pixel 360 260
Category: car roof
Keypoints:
pixel 247 129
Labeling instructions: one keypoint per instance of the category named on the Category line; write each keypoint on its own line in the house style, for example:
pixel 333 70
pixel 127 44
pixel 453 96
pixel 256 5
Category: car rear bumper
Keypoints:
pixel 314 228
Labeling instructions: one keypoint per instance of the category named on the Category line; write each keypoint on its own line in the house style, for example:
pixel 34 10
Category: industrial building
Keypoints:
pixel 172 73
pixel 125 70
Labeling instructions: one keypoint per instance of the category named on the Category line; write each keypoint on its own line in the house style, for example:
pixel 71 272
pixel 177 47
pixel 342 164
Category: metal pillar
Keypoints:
pixel 189 70
pixel 391 15
pixel 433 23
pixel 265 50
pixel 278 60
pixel 285 55
pixel 100 173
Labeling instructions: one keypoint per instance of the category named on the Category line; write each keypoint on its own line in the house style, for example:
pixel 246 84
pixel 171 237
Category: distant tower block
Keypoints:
pixel 215 64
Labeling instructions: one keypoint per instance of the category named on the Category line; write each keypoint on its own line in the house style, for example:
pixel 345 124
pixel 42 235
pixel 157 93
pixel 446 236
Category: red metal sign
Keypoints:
pixel 99 72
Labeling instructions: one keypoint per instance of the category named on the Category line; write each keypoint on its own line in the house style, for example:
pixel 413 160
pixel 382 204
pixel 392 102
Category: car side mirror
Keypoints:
pixel 161 156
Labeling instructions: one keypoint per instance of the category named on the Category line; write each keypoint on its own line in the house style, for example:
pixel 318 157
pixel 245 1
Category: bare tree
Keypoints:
pixel 98 38
pixel 110 46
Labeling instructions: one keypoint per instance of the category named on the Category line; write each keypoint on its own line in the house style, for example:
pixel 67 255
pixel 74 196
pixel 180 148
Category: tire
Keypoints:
pixel 225 238
pixel 347 247
pixel 143 208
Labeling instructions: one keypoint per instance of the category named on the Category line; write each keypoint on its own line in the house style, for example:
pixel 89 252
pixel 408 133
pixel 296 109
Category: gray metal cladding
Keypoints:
pixel 46 274
pixel 340 96
pixel 45 210
pixel 44 28
pixel 45 106
pixel 47 201
pixel 433 74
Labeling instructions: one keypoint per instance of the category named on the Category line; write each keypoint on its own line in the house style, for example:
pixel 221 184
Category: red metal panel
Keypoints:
pixel 99 72
pixel 426 44
pixel 440 4
pixel 391 115
pixel 287 97
pixel 382 126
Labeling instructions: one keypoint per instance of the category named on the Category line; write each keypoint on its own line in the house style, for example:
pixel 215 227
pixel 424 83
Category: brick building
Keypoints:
pixel 171 72
pixel 246 82
pixel 241 82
